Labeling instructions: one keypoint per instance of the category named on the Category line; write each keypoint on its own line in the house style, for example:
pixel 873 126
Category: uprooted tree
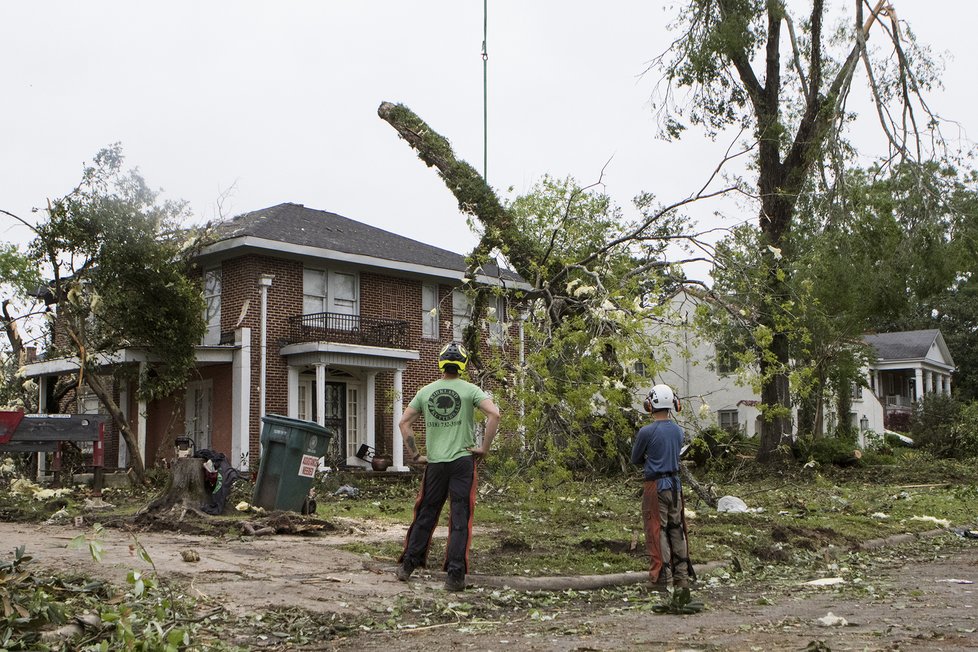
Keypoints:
pixel 745 64
pixel 119 263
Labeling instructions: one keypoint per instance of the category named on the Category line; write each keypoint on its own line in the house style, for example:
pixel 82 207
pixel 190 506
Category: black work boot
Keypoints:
pixel 455 582
pixel 403 571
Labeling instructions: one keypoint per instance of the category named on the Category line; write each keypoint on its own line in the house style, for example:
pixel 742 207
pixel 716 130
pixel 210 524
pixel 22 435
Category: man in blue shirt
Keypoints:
pixel 657 448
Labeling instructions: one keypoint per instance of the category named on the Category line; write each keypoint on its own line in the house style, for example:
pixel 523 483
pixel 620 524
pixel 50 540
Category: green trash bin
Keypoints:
pixel 291 449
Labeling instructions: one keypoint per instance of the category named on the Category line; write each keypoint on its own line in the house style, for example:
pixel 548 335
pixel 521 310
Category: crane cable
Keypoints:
pixel 485 93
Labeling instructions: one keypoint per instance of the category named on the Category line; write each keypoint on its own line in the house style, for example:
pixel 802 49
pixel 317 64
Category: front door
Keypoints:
pixel 334 420
pixel 197 414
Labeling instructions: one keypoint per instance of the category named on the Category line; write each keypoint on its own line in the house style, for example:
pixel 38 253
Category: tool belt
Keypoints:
pixel 662 474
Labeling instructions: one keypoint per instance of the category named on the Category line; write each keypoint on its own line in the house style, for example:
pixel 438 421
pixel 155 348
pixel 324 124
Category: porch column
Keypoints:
pixel 42 408
pixel 240 400
pixel 320 394
pixel 123 460
pixel 919 383
pixel 932 377
pixel 946 384
pixel 398 411
pixel 372 409
pixel 877 387
pixel 293 394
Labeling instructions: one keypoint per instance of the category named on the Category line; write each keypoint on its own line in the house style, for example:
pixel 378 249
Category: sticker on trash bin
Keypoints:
pixel 307 468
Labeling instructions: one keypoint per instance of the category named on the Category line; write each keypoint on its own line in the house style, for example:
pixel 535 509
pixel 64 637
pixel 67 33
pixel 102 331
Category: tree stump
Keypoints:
pixel 185 490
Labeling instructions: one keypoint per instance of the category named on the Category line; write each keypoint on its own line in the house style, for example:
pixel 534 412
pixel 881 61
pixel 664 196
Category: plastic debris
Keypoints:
pixel 954 581
pixel 831 620
pixel 731 504
pixel 347 490
pixel 943 522
pixel 966 533
pixel 879 515
pixel 826 581
pixel 59 516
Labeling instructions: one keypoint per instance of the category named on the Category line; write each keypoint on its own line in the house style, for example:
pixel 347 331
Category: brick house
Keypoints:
pixel 313 316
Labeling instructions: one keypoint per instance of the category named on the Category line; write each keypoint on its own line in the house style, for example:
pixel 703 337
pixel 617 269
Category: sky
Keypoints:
pixel 271 102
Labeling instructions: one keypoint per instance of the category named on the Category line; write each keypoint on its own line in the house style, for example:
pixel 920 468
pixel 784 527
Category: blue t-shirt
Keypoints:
pixel 657 447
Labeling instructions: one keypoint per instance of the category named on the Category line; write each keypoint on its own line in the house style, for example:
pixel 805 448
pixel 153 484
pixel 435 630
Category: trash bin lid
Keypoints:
pixel 288 422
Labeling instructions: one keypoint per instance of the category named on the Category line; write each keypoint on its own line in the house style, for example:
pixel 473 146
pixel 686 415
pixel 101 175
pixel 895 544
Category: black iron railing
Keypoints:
pixel 348 329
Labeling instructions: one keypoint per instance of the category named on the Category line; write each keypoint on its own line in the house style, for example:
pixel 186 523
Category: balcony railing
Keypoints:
pixel 348 329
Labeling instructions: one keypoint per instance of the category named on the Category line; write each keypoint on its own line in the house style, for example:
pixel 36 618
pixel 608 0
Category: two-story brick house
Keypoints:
pixel 310 315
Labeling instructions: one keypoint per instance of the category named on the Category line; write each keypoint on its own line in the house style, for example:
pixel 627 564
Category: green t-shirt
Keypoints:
pixel 448 407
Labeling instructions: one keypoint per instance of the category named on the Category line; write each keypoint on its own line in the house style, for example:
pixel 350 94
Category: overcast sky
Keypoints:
pixel 278 100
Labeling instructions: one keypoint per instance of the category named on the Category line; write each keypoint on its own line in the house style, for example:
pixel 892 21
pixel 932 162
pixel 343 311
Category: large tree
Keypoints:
pixel 753 63
pixel 18 278
pixel 119 265
pixel 588 269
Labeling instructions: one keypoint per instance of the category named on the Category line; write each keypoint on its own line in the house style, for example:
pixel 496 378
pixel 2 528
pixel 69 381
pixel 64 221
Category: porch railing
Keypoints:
pixel 348 329
pixel 898 401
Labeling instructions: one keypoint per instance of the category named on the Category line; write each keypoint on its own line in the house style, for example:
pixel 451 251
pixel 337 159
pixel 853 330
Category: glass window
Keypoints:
pixel 429 311
pixel 343 291
pixel 461 314
pixel 496 315
pixel 726 362
pixel 313 291
pixel 728 419
pixel 212 306
pixel 352 422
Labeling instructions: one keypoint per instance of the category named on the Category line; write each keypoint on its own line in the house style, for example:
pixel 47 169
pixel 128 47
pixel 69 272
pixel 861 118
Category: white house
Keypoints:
pixel 907 365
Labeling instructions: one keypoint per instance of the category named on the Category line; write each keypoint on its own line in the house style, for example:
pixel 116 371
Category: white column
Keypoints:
pixel 931 382
pixel 877 388
pixel 946 383
pixel 321 394
pixel 141 420
pixel 42 408
pixel 123 460
pixel 372 409
pixel 241 400
pixel 293 399
pixel 919 383
pixel 398 411
pixel 264 282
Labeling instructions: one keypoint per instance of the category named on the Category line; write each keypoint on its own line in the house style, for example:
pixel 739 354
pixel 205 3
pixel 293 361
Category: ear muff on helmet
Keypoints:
pixel 454 357
pixel 661 397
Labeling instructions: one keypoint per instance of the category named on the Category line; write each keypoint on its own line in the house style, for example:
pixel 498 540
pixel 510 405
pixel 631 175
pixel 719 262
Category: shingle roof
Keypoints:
pixel 904 345
pixel 296 224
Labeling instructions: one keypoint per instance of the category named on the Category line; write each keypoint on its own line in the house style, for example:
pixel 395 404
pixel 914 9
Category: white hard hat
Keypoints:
pixel 661 397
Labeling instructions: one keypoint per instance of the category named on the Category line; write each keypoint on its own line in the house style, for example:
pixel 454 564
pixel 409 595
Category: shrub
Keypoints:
pixel 933 424
pixel 827 450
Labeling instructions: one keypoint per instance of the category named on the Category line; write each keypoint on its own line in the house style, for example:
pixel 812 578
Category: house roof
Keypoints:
pixel 295 224
pixel 906 345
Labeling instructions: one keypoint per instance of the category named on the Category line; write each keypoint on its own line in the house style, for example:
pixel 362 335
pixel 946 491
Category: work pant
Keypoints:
pixel 458 480
pixel 665 534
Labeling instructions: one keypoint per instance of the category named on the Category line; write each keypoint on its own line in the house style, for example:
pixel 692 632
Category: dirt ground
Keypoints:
pixel 921 603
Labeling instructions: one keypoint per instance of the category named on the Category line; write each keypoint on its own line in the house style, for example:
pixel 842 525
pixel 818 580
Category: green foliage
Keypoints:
pixel 827 450
pixel 122 274
pixel 945 426
pixel 585 330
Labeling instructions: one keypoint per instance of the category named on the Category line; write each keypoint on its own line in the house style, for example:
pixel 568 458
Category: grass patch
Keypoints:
pixel 593 526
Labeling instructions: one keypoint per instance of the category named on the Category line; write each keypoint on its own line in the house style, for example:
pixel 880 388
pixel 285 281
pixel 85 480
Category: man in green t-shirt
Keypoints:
pixel 448 406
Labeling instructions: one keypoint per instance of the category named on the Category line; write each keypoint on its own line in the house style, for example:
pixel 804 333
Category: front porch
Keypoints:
pixel 336 385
